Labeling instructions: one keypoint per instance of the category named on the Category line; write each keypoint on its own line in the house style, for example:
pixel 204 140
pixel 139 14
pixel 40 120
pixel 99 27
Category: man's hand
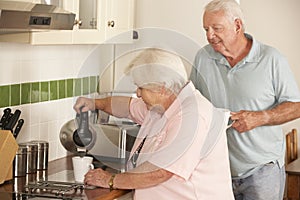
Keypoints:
pixel 247 120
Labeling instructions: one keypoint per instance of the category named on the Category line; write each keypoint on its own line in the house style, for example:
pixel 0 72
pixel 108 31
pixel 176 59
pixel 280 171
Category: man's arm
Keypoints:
pixel 282 113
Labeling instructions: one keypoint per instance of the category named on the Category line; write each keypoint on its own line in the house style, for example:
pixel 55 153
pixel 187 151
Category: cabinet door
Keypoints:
pixel 91 14
pixel 119 21
pixel 114 77
pixel 104 21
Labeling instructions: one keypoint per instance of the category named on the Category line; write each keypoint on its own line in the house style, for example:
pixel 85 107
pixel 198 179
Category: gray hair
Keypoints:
pixel 230 7
pixel 158 67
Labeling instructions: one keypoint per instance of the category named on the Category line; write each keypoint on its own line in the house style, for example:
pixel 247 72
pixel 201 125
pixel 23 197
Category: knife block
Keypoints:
pixel 8 150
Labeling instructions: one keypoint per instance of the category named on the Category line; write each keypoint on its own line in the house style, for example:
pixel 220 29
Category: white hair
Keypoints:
pixel 158 67
pixel 230 7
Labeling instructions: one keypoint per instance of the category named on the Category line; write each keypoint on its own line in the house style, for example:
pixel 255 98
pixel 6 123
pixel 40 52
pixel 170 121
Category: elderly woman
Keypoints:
pixel 181 149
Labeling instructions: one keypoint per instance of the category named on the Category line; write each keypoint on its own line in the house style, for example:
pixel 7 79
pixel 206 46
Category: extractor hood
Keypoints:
pixel 18 16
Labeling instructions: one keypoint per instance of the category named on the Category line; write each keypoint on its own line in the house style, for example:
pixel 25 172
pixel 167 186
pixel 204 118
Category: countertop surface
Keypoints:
pixel 58 170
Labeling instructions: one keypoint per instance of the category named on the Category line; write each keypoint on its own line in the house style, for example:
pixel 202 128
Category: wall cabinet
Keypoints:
pixel 97 22
pixel 114 77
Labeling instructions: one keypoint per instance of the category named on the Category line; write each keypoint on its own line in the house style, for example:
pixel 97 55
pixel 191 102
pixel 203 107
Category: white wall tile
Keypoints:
pixel 53 131
pixel 35 113
pixel 24 134
pixel 20 63
pixel 48 111
pixel 30 71
pixel 52 150
pixel 10 72
pixel 43 132
pixel 35 132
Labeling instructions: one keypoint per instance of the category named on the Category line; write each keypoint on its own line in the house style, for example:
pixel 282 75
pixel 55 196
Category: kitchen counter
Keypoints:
pixel 59 170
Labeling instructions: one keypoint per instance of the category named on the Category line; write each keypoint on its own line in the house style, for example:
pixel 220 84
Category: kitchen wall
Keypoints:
pixel 274 22
pixel 42 81
pixel 53 74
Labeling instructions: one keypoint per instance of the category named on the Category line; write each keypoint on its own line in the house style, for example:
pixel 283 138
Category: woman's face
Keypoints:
pixel 151 96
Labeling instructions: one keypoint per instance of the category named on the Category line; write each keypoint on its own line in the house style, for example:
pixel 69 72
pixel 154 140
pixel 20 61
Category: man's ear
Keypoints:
pixel 238 25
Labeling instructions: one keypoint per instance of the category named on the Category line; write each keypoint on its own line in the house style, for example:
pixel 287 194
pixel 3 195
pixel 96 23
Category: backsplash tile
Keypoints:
pixel 62 89
pixel 53 90
pixel 44 91
pixel 35 92
pixel 85 85
pixel 25 85
pixel 44 117
pixel 93 83
pixel 77 87
pixel 25 93
pixel 4 93
pixel 15 94
pixel 70 84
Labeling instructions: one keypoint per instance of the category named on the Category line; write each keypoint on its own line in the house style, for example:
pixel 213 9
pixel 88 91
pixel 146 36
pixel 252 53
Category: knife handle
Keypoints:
pixel 4 125
pixel 13 120
pixel 7 111
pixel 18 127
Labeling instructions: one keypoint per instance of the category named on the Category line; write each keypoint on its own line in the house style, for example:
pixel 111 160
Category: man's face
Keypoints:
pixel 220 32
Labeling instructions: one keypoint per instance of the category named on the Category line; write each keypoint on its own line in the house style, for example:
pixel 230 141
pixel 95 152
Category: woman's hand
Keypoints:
pixel 97 177
pixel 85 103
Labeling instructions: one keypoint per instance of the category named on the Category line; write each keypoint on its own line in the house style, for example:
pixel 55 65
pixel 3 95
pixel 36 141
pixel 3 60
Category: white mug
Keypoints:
pixel 81 165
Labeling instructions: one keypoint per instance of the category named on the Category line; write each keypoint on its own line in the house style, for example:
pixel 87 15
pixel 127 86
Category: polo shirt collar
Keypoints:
pixel 253 55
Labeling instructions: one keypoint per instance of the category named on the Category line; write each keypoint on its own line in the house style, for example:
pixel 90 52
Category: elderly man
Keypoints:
pixel 237 72
pixel 181 149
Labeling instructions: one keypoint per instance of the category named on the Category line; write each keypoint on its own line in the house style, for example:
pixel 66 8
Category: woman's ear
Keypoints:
pixel 160 90
pixel 165 91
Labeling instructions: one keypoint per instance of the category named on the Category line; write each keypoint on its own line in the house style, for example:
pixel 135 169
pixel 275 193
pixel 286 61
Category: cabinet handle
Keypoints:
pixel 79 22
pixel 111 23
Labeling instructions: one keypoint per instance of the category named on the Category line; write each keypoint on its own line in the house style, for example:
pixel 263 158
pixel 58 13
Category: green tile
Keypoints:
pixel 25 93
pixel 45 91
pixel 53 90
pixel 77 87
pixel 93 84
pixel 62 89
pixel 70 87
pixel 15 98
pixel 35 92
pixel 98 83
pixel 4 96
pixel 86 85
